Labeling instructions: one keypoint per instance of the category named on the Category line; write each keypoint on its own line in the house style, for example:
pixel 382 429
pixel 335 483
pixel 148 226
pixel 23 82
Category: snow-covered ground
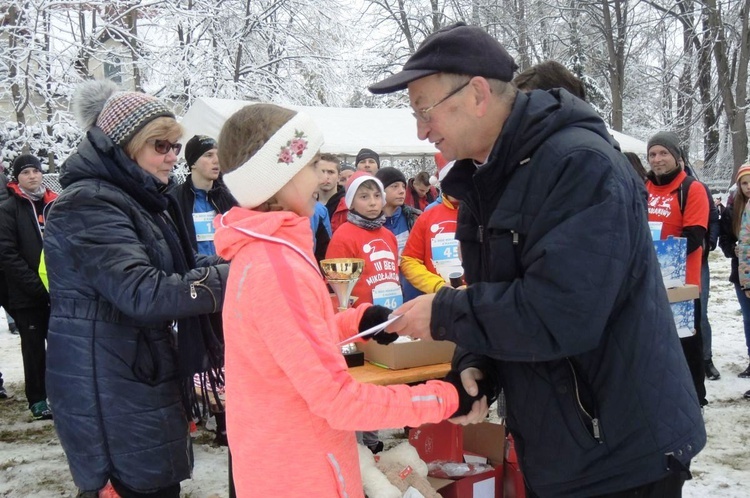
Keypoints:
pixel 32 464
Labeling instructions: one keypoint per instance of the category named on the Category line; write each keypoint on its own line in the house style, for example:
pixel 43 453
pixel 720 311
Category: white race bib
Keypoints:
pixel 204 226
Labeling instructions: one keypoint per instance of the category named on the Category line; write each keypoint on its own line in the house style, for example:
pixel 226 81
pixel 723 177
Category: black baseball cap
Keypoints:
pixel 456 49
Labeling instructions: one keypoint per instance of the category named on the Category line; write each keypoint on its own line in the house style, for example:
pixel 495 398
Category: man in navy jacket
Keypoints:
pixel 565 307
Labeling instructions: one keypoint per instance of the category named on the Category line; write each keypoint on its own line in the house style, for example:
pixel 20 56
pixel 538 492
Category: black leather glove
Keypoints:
pixel 375 315
pixel 466 400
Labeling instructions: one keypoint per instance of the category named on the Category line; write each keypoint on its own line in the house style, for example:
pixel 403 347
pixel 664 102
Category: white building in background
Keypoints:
pixel 111 59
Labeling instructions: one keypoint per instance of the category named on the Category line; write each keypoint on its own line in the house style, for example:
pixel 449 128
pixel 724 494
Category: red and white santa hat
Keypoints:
pixel 357 179
pixel 443 168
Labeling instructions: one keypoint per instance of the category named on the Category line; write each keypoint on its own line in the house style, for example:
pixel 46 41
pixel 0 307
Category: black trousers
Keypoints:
pixel 692 347
pixel 32 326
pixel 667 487
pixel 172 491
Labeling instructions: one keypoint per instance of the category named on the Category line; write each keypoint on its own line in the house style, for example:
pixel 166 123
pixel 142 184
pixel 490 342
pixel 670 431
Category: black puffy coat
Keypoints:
pixel 21 248
pixel 566 308
pixel 112 372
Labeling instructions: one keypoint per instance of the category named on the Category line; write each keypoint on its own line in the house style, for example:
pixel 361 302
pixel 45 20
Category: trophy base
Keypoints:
pixel 356 359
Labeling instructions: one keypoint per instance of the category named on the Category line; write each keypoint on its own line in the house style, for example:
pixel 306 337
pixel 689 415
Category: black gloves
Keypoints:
pixel 465 400
pixel 375 315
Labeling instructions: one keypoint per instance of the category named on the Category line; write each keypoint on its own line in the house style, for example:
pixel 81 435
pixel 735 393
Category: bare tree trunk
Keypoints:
pixel 710 120
pixel 685 84
pixel 437 15
pixel 185 38
pixel 131 20
pixel 523 35
pixel 14 42
pixel 48 102
pixel 614 35
pixel 241 45
pixel 403 21
pixel 734 104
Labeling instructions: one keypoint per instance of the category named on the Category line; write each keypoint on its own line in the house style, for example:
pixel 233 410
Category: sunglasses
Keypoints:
pixel 163 146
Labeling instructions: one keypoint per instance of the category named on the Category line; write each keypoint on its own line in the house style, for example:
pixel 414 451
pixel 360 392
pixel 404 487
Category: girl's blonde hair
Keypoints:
pixel 245 133
pixel 160 128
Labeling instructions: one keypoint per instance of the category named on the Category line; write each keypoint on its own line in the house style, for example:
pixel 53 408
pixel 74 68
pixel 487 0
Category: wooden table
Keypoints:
pixel 373 374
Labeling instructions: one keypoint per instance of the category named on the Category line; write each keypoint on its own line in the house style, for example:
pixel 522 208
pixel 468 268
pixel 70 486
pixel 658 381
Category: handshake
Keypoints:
pixel 466 400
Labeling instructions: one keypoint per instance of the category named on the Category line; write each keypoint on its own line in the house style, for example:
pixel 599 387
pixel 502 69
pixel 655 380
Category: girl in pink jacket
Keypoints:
pixel 292 407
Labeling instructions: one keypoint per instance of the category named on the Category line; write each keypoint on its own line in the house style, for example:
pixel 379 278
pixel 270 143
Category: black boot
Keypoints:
pixel 221 428
pixel 747 395
pixel 711 372
pixel 745 374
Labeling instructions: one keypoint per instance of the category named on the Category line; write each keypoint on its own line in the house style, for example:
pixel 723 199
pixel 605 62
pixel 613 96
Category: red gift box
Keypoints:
pixel 449 442
pixel 513 484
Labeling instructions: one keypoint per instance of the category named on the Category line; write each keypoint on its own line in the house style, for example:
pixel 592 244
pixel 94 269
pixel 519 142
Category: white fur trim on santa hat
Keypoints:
pixel 283 156
pixel 442 173
pixel 445 170
pixel 355 181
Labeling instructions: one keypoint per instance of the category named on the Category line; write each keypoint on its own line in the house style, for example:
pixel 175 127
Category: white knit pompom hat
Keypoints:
pixel 289 149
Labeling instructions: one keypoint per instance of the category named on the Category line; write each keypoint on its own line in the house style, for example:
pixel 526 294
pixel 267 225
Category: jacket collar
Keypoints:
pixel 534 117
pixel 98 157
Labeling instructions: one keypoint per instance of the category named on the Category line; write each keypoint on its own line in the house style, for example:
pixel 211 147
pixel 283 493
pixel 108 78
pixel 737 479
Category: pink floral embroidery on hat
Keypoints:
pixel 294 147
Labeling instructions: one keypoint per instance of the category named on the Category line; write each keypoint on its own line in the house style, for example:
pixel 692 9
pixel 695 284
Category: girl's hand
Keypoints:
pixel 747 293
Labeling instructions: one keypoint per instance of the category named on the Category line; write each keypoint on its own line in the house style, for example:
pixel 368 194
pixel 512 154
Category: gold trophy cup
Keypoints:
pixel 342 275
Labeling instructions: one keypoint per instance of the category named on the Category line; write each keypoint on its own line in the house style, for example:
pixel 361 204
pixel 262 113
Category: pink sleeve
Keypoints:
pixel 348 321
pixel 302 342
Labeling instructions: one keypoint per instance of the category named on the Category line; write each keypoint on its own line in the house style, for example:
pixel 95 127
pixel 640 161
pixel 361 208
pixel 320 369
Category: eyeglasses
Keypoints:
pixel 163 146
pixel 423 115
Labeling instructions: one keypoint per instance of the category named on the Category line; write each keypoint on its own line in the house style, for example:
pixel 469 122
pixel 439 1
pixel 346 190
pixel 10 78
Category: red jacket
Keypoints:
pixel 664 206
pixel 412 198
pixel 338 217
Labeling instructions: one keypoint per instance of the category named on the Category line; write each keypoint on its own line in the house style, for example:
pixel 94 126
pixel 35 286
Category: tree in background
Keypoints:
pixel 657 64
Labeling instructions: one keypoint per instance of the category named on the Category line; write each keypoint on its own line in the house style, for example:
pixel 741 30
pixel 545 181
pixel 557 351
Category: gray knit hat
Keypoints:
pixel 669 140
pixel 119 114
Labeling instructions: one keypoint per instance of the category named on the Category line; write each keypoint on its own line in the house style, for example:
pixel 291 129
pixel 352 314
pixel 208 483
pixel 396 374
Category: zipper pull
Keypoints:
pixel 481 234
pixel 595 425
pixel 515 237
pixel 193 292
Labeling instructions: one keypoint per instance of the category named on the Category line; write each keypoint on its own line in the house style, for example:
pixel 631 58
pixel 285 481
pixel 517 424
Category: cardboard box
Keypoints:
pixel 684 318
pixel 410 354
pixel 672 255
pixel 684 293
pixel 434 441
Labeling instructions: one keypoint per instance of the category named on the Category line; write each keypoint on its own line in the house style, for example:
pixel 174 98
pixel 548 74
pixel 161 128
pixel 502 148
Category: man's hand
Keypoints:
pixel 415 321
pixel 480 408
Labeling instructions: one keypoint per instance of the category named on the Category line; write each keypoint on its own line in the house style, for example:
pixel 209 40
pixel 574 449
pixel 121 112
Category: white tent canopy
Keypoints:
pixel 390 132
pixel 628 143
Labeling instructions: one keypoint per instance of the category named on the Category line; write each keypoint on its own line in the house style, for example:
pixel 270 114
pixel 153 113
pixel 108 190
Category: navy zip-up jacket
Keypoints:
pixel 566 309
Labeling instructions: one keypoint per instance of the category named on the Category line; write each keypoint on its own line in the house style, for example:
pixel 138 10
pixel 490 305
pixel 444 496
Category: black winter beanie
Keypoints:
pixel 367 154
pixel 196 147
pixel 25 161
pixel 390 175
